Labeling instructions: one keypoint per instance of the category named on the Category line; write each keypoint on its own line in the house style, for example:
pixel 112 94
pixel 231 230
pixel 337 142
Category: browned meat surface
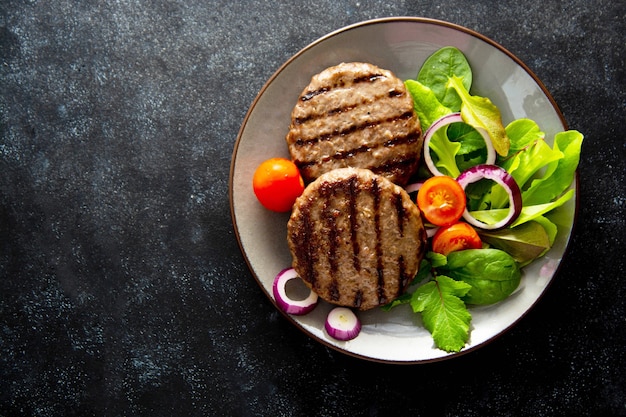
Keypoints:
pixel 356 238
pixel 355 115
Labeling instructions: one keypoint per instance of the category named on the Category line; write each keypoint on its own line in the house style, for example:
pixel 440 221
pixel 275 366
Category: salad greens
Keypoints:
pixel 481 113
pixel 492 274
pixel 445 285
pixel 443 312
pixel 439 68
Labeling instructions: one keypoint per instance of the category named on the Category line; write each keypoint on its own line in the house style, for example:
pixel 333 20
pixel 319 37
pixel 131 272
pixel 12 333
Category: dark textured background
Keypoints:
pixel 122 288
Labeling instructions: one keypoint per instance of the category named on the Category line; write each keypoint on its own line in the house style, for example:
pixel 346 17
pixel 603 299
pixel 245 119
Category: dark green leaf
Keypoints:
pixel 524 242
pixel 440 66
pixel 492 273
pixel 444 314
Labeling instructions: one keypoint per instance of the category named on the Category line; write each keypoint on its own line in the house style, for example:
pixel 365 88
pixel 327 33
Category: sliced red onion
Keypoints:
pixel 290 306
pixel 431 231
pixel 445 121
pixel 500 176
pixel 342 324
pixel 413 187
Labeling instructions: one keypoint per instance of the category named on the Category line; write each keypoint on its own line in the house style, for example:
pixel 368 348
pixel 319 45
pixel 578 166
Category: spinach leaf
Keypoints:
pixel 525 242
pixel 440 66
pixel 492 273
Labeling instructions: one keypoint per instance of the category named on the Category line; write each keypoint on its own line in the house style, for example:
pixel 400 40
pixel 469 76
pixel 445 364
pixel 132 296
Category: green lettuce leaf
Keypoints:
pixel 444 314
pixel 443 152
pixel 523 166
pixel 562 171
pixel 528 212
pixel 551 230
pixel 425 103
pixel 481 113
pixel 523 133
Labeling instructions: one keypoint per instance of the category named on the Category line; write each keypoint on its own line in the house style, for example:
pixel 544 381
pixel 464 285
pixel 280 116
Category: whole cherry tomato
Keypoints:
pixel 277 183
pixel 442 200
pixel 458 236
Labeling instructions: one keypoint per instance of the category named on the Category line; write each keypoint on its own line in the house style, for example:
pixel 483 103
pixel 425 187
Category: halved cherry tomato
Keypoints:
pixel 277 183
pixel 458 236
pixel 442 200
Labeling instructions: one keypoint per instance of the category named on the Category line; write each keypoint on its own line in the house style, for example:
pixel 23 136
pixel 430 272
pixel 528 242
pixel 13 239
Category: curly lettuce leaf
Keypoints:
pixel 444 314
pixel 561 172
pixel 444 153
pixel 528 212
pixel 522 133
pixel 523 166
pixel 481 113
pixel 425 103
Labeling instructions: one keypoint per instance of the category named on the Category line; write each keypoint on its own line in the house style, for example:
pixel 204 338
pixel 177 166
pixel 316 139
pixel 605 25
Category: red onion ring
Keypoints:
pixel 500 176
pixel 413 187
pixel 289 306
pixel 445 121
pixel 342 324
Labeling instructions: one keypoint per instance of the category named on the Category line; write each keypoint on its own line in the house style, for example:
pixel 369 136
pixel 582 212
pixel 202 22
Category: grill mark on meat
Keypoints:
pixel 354 225
pixel 327 246
pixel 403 139
pixel 354 114
pixel 393 93
pixel 394 164
pixel 340 156
pixel 333 290
pixel 369 77
pixel 399 213
pixel 365 78
pixel 376 194
pixel 329 216
pixel 358 299
pixel 352 216
pixel 309 95
pixel 307 253
pixel 356 127
pixel 403 278
pixel 422 235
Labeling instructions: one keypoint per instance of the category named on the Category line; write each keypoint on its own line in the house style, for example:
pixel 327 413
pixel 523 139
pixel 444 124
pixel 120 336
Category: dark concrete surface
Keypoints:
pixel 122 288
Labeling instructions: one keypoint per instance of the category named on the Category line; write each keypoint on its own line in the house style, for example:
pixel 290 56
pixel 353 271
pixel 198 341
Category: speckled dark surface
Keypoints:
pixel 122 287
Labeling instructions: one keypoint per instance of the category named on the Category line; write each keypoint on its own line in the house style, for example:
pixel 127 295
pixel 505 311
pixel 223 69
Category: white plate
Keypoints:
pixel 400 45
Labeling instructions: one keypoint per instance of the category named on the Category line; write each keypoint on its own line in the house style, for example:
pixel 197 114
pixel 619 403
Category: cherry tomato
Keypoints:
pixel 442 200
pixel 458 236
pixel 277 183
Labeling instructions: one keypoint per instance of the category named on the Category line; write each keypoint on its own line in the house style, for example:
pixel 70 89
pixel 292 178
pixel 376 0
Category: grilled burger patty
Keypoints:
pixel 355 115
pixel 356 238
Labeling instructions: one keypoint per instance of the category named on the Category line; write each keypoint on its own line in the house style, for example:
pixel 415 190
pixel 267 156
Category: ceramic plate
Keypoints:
pixel 400 45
